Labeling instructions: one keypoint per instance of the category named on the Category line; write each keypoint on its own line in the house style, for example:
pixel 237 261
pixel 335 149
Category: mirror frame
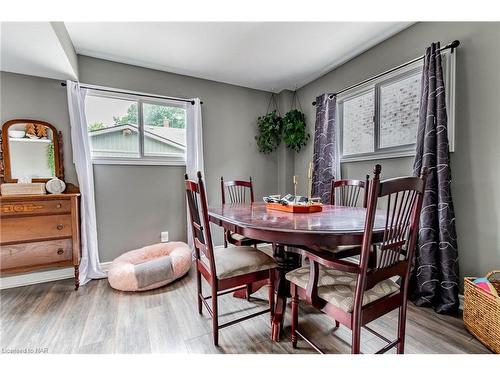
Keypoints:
pixel 56 139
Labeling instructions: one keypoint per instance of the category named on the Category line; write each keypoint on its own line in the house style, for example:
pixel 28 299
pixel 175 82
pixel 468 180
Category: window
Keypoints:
pixel 128 129
pixel 380 119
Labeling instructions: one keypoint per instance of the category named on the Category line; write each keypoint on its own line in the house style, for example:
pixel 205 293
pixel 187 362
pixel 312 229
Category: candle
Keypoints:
pixel 295 182
pixel 309 179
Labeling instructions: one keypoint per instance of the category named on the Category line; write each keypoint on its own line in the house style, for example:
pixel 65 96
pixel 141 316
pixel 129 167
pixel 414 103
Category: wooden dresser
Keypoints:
pixel 39 231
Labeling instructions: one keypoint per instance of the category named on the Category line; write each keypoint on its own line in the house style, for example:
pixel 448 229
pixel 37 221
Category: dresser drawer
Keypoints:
pixel 32 228
pixel 47 206
pixel 35 254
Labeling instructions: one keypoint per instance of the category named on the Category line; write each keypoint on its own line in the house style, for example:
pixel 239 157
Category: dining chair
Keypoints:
pixel 356 294
pixel 225 269
pixel 348 192
pixel 238 192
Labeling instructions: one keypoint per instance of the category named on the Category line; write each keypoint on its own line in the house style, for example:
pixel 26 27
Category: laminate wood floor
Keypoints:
pixel 98 319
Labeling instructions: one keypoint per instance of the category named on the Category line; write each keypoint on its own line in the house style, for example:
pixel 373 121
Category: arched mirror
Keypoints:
pixel 31 151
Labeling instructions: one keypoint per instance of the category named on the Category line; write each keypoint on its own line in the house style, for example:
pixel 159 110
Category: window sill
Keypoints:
pixel 117 161
pixel 377 156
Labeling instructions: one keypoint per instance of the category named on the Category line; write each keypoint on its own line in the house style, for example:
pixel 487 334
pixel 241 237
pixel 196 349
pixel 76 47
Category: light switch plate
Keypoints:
pixel 164 236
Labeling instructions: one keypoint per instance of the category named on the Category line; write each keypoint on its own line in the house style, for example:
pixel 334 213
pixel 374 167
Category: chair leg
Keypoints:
pixel 270 284
pixel 199 292
pixel 295 315
pixel 226 233
pixel 356 338
pixel 249 291
pixel 215 317
pixel 400 349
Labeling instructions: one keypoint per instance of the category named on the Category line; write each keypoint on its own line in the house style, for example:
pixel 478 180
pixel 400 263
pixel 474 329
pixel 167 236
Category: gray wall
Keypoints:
pixel 38 98
pixel 476 161
pixel 135 203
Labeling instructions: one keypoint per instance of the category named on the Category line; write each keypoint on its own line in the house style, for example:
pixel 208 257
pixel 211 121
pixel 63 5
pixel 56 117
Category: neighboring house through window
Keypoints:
pixel 128 129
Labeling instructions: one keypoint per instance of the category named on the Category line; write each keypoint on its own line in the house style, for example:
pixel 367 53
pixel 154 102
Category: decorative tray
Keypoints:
pixel 296 208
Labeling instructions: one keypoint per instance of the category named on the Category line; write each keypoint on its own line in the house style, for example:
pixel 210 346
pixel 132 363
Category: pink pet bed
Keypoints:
pixel 150 267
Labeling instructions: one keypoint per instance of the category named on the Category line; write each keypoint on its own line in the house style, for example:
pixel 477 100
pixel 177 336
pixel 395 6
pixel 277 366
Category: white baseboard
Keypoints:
pixel 39 277
pixel 105 266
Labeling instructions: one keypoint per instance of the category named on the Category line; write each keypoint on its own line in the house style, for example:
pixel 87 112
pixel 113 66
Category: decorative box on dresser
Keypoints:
pixel 39 231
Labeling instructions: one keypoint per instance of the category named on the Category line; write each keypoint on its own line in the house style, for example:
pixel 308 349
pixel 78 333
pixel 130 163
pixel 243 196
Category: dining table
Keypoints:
pixel 287 231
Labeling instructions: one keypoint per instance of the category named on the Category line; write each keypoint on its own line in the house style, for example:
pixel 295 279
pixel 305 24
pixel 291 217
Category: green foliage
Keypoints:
pixel 95 126
pixel 294 130
pixel 51 159
pixel 131 117
pixel 270 129
pixel 154 115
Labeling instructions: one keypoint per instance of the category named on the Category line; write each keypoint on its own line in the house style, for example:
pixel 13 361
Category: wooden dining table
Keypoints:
pixel 333 226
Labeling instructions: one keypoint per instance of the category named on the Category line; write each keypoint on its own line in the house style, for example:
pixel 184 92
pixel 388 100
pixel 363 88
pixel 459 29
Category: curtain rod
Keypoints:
pixel 136 94
pixel 451 45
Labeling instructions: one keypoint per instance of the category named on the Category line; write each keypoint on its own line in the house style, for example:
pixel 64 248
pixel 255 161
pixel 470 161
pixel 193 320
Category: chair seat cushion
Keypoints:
pixel 239 260
pixel 150 267
pixel 239 237
pixel 335 248
pixel 338 287
pixel 235 237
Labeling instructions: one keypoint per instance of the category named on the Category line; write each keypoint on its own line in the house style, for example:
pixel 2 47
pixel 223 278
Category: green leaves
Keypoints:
pixel 270 129
pixel 273 128
pixel 95 126
pixel 294 130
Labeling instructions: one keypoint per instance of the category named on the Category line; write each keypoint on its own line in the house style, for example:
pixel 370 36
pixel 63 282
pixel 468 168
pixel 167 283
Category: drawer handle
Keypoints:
pixel 60 227
pixel 60 251
pixel 59 205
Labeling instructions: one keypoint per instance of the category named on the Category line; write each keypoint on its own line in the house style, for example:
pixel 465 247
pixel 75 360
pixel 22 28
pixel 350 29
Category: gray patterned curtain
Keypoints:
pixel 435 275
pixel 324 157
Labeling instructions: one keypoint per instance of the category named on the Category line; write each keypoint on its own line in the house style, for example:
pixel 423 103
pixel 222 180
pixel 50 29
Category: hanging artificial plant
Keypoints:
pixel 295 135
pixel 270 128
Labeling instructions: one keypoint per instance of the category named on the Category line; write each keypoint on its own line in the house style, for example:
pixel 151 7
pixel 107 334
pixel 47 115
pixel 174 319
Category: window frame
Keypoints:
pixel 142 159
pixel 449 68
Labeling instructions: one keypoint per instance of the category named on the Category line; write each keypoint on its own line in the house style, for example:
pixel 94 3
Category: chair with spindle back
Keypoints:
pixel 238 191
pixel 348 192
pixel 356 294
pixel 225 269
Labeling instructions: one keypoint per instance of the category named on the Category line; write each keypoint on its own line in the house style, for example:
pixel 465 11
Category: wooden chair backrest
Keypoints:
pixel 200 224
pixel 237 190
pixel 404 197
pixel 348 192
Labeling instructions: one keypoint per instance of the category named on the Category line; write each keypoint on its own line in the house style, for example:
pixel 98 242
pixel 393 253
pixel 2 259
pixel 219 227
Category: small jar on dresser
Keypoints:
pixel 37 230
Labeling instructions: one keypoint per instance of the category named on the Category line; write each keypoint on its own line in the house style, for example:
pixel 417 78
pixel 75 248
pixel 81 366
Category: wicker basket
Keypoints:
pixel 482 312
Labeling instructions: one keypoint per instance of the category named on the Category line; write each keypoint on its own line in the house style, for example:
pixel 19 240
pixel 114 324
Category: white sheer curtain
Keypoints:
pixel 89 264
pixel 194 153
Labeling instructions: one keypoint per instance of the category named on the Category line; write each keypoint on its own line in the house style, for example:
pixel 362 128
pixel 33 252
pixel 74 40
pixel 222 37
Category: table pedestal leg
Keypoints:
pixel 286 262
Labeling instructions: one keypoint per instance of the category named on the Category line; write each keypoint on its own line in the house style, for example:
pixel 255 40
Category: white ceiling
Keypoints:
pixel 268 56
pixel 35 48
